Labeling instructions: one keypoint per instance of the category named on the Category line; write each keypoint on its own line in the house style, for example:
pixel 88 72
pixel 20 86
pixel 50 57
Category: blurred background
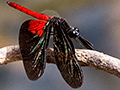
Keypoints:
pixel 98 21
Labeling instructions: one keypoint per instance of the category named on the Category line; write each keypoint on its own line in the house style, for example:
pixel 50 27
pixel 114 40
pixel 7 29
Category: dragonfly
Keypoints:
pixel 34 38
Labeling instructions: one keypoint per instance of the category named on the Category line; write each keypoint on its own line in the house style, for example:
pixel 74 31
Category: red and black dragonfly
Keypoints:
pixel 33 41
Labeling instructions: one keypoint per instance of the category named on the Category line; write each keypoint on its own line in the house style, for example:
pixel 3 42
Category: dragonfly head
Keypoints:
pixel 73 32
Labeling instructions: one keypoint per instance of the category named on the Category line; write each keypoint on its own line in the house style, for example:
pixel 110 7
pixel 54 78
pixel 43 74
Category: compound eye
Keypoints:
pixel 73 32
pixel 76 29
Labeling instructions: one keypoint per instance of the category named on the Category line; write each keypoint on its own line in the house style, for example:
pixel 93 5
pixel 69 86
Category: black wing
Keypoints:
pixel 33 49
pixel 74 33
pixel 83 43
pixel 66 60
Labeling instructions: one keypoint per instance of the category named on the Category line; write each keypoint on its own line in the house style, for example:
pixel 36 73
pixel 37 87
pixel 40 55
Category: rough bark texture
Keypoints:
pixel 89 58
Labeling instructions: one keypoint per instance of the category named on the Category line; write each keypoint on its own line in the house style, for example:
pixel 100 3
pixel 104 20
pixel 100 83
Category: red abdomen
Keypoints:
pixel 29 12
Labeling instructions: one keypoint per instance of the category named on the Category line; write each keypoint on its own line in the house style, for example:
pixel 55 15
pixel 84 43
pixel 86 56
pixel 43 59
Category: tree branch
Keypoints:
pixel 90 58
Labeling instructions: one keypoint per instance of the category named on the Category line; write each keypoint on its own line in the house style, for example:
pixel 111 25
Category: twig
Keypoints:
pixel 90 58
